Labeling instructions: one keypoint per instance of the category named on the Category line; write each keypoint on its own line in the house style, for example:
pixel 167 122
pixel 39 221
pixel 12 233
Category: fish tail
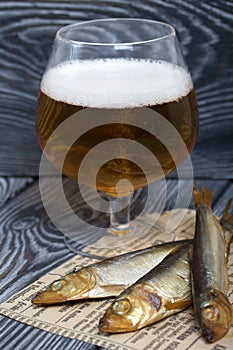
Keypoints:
pixel 202 196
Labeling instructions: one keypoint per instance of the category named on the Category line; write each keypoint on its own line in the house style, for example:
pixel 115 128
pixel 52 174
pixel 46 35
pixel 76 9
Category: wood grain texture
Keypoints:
pixel 30 246
pixel 15 335
pixel 11 186
pixel 27 30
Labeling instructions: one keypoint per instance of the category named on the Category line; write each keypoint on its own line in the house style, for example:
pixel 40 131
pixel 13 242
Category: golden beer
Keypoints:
pixel 119 86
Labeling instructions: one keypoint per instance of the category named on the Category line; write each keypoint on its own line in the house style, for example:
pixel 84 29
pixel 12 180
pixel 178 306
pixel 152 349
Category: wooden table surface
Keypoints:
pixel 30 245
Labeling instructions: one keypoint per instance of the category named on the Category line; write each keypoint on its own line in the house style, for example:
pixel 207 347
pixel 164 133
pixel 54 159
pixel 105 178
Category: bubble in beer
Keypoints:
pixel 116 83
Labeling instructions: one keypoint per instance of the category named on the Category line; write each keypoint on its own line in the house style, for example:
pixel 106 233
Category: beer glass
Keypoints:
pixel 115 102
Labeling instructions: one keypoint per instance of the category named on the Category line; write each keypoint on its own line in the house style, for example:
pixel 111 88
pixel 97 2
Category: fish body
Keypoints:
pixel 209 270
pixel 106 278
pixel 162 292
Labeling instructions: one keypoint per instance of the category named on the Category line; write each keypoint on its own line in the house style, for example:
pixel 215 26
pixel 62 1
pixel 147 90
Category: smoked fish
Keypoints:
pixel 106 278
pixel 162 292
pixel 209 268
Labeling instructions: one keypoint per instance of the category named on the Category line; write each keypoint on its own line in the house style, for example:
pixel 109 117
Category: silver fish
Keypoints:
pixel 209 269
pixel 106 278
pixel 162 292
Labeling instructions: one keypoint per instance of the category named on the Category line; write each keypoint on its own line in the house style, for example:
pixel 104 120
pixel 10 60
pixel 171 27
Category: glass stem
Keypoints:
pixel 120 214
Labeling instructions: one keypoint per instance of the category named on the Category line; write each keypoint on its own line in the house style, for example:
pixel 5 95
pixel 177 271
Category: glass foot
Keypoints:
pixel 113 242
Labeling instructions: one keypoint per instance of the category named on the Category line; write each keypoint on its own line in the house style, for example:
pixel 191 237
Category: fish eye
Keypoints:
pixel 210 313
pixel 121 306
pixel 57 285
pixel 76 269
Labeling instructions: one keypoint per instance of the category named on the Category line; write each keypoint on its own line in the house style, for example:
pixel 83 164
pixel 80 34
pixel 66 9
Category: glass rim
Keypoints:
pixel 172 32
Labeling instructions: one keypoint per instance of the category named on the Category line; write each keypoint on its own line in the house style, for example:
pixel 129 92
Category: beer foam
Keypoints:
pixel 116 83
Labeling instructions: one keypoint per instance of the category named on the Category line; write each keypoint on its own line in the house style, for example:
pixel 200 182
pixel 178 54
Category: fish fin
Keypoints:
pixel 230 220
pixel 111 290
pixel 179 304
pixel 225 212
pixel 227 224
pixel 227 221
pixel 227 281
pixel 202 196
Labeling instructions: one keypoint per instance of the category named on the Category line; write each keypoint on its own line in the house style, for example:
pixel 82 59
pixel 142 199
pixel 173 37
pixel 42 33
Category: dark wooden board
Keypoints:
pixel 30 246
pixel 31 243
pixel 16 336
pixel 11 186
pixel 27 30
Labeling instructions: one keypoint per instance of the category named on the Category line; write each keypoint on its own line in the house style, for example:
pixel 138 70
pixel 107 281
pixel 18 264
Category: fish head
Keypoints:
pixel 130 311
pixel 215 316
pixel 72 286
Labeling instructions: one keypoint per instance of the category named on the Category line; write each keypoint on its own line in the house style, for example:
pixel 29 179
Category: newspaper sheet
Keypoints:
pixel 79 320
